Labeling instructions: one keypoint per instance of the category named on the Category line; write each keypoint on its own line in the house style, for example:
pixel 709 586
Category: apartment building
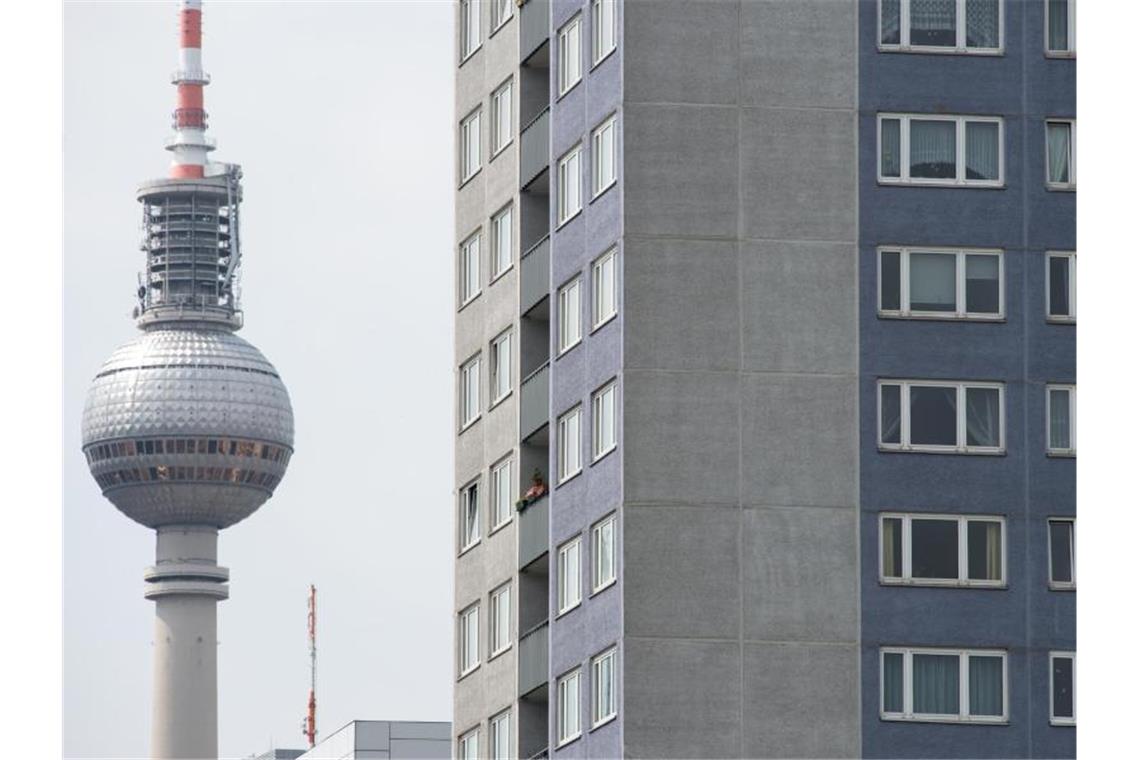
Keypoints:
pixel 766 425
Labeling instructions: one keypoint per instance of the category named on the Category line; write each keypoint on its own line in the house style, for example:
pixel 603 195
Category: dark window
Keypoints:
pixel 932 22
pixel 934 548
pixel 890 297
pixel 891 413
pixel 1061 551
pixel 892 547
pixel 983 291
pixel 1059 287
pixel 933 415
pixel 890 23
pixel 1062 687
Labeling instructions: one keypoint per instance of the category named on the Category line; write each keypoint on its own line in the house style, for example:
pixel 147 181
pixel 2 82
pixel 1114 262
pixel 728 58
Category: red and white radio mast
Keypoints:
pixel 189 144
pixel 310 724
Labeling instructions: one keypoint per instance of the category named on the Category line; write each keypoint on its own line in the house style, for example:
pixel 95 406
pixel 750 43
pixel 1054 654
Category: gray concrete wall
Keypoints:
pixel 740 454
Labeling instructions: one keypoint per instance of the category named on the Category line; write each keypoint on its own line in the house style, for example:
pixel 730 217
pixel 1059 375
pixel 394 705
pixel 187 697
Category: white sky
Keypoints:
pixel 341 116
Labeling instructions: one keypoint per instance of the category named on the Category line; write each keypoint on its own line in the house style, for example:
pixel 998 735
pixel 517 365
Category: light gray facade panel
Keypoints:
pixel 418 729
pixel 419 749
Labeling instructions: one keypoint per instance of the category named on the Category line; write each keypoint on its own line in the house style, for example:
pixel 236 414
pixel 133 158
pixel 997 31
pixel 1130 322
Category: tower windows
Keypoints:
pixel 1062 554
pixel 1063 688
pixel 469 528
pixel 569 575
pixel 603 679
pixel 500 367
pixel 604 152
pixel 570 444
pixel 603 552
pixel 469 392
pixel 500 630
pixel 569 55
pixel 967 685
pixel 940 550
pixel 604 283
pixel 501 12
pixel 569 315
pixel 569 723
pixel 500 118
pixel 604 23
pixel 941 416
pixel 1061 286
pixel 1060 28
pixel 604 406
pixel 501 251
pixel 501 736
pixel 470 281
pixel 470 158
pixel 470 35
pixel 501 488
pixel 928 149
pixel 1061 419
pixel 469 642
pixel 942 26
pixel 941 283
pixel 570 185
pixel 1061 154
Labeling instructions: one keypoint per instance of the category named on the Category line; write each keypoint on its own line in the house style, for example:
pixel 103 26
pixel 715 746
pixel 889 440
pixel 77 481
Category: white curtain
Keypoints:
pixel 1058 139
pixel 981 150
pixel 933 282
pixel 935 684
pixel 932 149
pixel 891 149
pixel 985 685
pixel 890 21
pixel 932 22
pixel 1059 419
pixel 1058 24
pixel 982 23
pixel 983 417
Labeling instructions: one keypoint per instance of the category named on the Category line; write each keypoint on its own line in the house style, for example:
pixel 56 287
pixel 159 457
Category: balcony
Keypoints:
pixel 534 148
pixel 534 532
pixel 535 277
pixel 533 646
pixel 534 404
pixel 534 29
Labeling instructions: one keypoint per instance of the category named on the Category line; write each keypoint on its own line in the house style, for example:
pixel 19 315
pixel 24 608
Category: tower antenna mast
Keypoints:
pixel 310 729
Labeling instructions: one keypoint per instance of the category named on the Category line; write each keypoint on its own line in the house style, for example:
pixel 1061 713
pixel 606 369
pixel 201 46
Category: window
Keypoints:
pixel 569 575
pixel 1060 27
pixel 937 550
pixel 943 684
pixel 469 393
pixel 500 367
pixel 604 421
pixel 500 118
pixel 569 315
pixel 570 184
pixel 946 416
pixel 1062 554
pixel 469 517
pixel 605 28
pixel 501 489
pixel 500 14
pixel 469 285
pixel 941 283
pixel 602 678
pixel 468 639
pixel 604 281
pixel 569 444
pixel 501 256
pixel 469 136
pixel 1061 418
pixel 941 150
pixel 569 55
pixel 602 549
pixel 1061 287
pixel 501 736
pixel 943 26
pixel 1063 688
pixel 469 32
pixel 569 719
pixel 604 150
pixel 1061 154
pixel 500 632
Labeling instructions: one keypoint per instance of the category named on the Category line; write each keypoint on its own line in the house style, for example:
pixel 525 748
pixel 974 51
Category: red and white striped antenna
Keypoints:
pixel 189 145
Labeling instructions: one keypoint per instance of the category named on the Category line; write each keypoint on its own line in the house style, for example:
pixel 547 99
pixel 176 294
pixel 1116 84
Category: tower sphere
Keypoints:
pixel 187 426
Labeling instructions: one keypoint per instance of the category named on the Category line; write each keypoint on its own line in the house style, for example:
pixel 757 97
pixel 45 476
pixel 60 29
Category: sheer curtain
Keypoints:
pixel 985 685
pixel 981 150
pixel 932 149
pixel 1059 419
pixel 892 547
pixel 893 682
pixel 982 18
pixel 932 22
pixel 935 684
pixel 984 543
pixel 890 148
pixel 983 417
pixel 1058 140
pixel 891 419
pixel 1058 24
pixel 889 29
pixel 933 282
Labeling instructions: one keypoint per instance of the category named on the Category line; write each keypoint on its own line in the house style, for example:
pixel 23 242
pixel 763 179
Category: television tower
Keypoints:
pixel 188 429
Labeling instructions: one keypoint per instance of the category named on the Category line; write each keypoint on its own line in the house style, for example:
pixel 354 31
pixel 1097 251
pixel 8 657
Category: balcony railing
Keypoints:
pixel 534 147
pixel 534 404
pixel 533 647
pixel 534 20
pixel 535 278
pixel 534 531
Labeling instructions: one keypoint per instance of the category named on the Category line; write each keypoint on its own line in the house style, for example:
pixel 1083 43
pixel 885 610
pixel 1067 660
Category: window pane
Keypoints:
pixel 1060 551
pixel 932 23
pixel 935 684
pixel 891 413
pixel 983 417
pixel 889 162
pixel 892 547
pixel 1062 687
pixel 933 282
pixel 1059 287
pixel 1057 137
pixel 933 153
pixel 1059 417
pixel 982 150
pixel 982 18
pixel 893 682
pixel 890 22
pixel 1058 25
pixel 985 685
pixel 889 273
pixel 934 549
pixel 983 286
pixel 933 415
pixel 983 546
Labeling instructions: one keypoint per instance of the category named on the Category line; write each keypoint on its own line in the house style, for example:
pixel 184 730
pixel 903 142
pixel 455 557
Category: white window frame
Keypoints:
pixel 1062 585
pixel 1071 51
pixel 960 409
pixel 470 268
pixel 502 11
pixel 1063 720
pixel 963 580
pixel 906 312
pixel 607 129
pixel 1072 183
pixel 470 530
pixel 1072 391
pixel 502 361
pixel 470 145
pixel 566 212
pixel 569 315
pixel 569 582
pixel 603 289
pixel 963 715
pixel 599 444
pixel 470 28
pixel 566 48
pixel 599 579
pixel 470 394
pixel 603 23
pixel 597 717
pixel 502 257
pixel 1072 258
pixel 569 452
pixel 565 707
pixel 501 129
pixel 959 48
pixel 959 179
pixel 494 725
pixel 499 621
pixel 502 489
pixel 469 659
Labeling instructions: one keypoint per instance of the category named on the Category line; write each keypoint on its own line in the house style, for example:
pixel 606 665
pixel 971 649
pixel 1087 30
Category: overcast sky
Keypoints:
pixel 341 117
